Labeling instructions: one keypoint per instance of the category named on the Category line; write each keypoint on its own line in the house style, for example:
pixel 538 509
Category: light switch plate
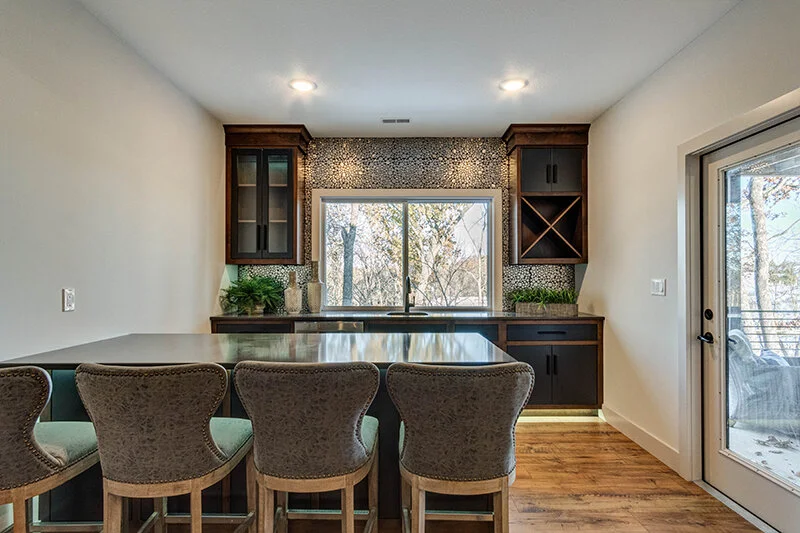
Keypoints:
pixel 658 287
pixel 67 299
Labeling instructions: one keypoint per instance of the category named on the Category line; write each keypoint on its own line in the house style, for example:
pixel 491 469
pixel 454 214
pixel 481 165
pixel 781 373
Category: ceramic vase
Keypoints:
pixel 293 296
pixel 316 289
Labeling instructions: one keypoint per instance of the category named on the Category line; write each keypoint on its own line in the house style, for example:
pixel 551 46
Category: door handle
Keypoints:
pixel 555 365
pixel 706 337
pixel 548 172
pixel 258 236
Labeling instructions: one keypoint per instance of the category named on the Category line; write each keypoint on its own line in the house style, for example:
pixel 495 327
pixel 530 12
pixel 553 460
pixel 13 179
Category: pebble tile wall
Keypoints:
pixel 412 163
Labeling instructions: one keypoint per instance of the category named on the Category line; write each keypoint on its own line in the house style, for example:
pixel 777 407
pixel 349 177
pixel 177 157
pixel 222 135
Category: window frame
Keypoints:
pixel 492 198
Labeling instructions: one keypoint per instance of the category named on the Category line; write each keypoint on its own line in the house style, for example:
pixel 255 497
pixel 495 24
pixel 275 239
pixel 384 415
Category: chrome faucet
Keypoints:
pixel 408 295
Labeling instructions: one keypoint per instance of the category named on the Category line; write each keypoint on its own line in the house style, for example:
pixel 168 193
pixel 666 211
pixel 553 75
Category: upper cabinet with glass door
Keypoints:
pixel 265 194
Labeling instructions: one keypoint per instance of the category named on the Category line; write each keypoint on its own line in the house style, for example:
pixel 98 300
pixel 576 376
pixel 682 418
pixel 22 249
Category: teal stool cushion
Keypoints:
pixel 66 442
pixel 230 434
pixel 369 432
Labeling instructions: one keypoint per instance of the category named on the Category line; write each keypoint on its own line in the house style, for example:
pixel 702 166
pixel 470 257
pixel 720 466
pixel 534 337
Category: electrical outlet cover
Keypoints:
pixel 67 300
pixel 658 287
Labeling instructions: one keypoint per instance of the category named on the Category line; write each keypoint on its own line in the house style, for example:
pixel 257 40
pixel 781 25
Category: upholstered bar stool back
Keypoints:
pixel 153 424
pixel 36 457
pixel 457 433
pixel 311 432
pixel 156 434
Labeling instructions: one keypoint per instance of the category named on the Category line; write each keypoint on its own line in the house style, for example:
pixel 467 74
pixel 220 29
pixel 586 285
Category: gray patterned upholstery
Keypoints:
pixel 459 421
pixel 308 418
pixel 153 423
pixel 29 451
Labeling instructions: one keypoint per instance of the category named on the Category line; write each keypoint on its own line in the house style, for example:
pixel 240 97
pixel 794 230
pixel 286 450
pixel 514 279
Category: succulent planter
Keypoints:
pixel 536 309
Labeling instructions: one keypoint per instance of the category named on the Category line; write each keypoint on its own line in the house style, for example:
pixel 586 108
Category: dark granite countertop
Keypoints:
pixel 228 349
pixel 471 316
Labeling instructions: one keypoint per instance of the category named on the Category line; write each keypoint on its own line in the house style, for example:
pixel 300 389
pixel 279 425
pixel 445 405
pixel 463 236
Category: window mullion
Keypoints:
pixel 405 241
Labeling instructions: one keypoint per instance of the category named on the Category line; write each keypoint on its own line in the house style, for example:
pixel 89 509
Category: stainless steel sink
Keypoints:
pixel 407 313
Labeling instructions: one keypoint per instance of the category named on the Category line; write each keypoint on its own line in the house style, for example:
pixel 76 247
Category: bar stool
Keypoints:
pixel 457 434
pixel 311 435
pixel 36 457
pixel 157 437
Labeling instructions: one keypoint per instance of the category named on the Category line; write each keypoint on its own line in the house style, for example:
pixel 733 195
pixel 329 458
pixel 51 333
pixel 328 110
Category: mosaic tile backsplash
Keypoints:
pixel 413 163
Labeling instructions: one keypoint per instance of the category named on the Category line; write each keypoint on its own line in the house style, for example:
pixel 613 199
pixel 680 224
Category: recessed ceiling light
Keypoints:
pixel 513 84
pixel 302 85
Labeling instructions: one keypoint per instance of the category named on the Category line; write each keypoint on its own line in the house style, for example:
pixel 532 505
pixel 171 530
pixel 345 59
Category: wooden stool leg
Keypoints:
pixel 282 517
pixel 252 493
pixel 197 511
pixel 500 509
pixel 417 509
pixel 372 481
pixel 112 512
pixel 20 515
pixel 160 507
pixel 267 502
pixel 348 510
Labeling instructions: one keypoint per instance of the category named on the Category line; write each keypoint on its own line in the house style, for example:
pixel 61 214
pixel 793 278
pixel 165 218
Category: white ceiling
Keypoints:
pixel 436 62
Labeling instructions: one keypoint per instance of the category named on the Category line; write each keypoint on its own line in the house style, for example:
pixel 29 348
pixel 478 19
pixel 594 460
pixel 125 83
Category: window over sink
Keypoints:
pixel 369 241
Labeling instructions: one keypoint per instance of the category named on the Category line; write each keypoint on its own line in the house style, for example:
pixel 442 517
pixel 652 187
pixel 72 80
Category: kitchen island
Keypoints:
pixel 81 499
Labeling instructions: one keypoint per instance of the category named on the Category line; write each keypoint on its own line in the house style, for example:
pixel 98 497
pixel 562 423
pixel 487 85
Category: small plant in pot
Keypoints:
pixel 538 301
pixel 253 296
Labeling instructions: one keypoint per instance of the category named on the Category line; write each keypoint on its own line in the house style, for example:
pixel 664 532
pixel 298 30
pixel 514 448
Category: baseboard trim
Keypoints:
pixel 655 446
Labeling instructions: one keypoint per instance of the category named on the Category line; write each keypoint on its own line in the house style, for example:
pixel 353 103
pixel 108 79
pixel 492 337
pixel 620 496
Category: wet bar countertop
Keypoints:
pixel 433 316
pixel 228 349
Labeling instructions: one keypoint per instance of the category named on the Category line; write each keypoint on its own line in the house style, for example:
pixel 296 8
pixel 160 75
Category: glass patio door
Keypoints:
pixel 751 359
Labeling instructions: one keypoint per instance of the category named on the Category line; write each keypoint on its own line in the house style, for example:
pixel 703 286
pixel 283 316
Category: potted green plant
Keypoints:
pixel 539 301
pixel 253 295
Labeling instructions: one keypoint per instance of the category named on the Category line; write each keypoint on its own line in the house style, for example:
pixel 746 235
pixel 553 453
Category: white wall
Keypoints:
pixel 111 181
pixel 746 59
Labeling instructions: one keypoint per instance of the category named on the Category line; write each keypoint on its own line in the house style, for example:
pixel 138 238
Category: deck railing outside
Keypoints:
pixel 773 329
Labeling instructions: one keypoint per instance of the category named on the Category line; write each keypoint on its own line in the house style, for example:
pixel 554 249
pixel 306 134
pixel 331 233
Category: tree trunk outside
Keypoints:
pixel 758 213
pixel 349 242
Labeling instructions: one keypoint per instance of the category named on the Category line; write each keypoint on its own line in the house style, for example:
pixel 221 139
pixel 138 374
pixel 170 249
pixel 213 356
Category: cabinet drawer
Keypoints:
pixel 281 327
pixel 552 332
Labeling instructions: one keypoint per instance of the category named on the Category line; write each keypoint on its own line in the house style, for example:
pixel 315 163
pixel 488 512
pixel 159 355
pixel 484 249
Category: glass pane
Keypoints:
pixel 363 254
pixel 762 241
pixel 246 169
pixel 448 253
pixel 278 169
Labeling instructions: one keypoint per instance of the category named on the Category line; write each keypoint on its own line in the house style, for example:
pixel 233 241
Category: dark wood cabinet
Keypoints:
pixel 265 194
pixel 551 170
pixel 539 357
pixel 574 373
pixel 548 193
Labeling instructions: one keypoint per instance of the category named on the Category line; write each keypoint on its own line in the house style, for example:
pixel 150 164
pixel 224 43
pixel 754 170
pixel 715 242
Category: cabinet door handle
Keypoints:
pixel 547 363
pixel 548 172
pixel 264 232
pixel 555 173
pixel 551 332
pixel 555 365
pixel 258 236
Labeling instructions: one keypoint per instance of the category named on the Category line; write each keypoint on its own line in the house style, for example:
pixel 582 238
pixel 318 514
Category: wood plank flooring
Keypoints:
pixel 589 477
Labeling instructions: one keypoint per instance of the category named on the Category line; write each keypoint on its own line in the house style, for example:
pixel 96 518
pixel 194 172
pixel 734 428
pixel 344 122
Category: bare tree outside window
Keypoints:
pixel 447 243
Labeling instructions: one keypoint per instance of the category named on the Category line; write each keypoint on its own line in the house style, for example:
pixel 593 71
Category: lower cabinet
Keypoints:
pixel 565 376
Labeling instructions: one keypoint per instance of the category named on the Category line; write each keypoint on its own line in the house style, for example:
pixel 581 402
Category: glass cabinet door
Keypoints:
pixel 279 201
pixel 245 198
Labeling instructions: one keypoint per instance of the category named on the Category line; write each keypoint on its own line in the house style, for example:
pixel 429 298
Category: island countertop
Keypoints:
pixel 228 349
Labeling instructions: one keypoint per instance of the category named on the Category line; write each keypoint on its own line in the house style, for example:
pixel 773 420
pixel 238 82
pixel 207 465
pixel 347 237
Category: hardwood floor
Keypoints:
pixel 589 477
